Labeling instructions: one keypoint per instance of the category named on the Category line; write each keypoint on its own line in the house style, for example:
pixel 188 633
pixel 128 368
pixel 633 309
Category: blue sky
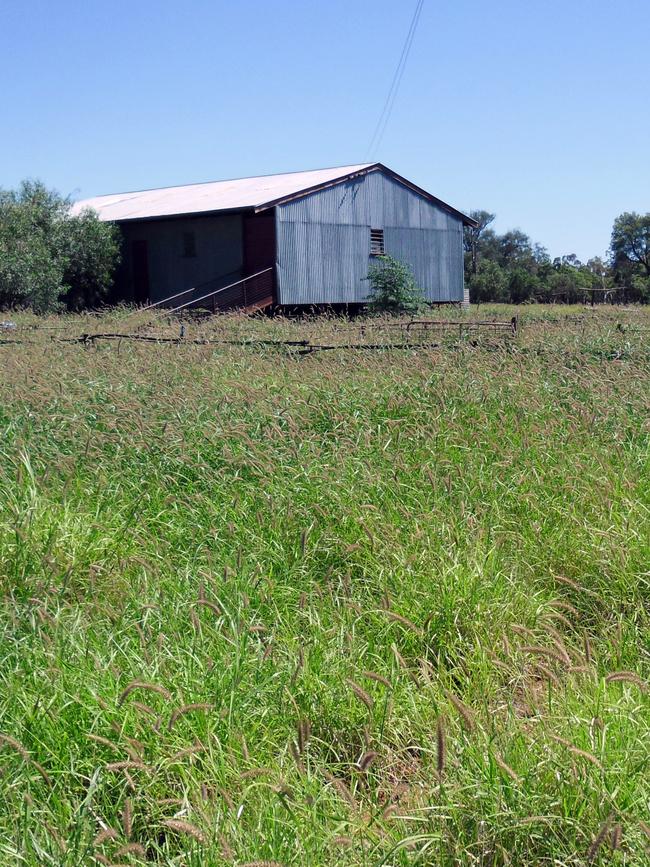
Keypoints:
pixel 538 111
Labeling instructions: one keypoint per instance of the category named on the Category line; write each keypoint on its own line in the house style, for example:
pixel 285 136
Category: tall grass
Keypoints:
pixel 378 608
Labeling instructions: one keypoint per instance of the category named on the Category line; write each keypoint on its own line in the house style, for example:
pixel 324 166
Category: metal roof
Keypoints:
pixel 257 193
pixel 213 196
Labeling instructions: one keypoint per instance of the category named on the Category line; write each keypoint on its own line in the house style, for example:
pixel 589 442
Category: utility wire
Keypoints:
pixel 384 117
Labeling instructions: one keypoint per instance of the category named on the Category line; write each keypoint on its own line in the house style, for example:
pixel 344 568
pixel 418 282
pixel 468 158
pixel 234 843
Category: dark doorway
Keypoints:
pixel 259 243
pixel 140 264
pixel 259 255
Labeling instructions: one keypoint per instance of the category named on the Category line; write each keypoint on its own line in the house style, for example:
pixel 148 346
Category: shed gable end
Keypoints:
pixel 324 241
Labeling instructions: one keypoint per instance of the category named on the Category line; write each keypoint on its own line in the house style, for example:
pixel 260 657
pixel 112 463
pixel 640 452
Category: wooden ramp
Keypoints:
pixel 249 294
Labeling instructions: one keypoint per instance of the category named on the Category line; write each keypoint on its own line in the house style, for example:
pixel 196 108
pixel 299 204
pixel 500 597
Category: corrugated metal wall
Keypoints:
pixel 323 242
pixel 218 259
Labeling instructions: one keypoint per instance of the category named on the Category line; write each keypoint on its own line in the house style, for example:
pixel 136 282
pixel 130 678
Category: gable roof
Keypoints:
pixel 258 193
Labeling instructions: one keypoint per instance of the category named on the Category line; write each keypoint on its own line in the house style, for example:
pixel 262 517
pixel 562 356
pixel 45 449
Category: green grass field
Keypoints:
pixel 382 607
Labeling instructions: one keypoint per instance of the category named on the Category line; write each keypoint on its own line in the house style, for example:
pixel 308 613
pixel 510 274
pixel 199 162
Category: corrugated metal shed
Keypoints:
pixel 313 229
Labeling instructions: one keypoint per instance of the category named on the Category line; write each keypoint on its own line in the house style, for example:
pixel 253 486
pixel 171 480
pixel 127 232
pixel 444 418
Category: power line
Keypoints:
pixel 384 117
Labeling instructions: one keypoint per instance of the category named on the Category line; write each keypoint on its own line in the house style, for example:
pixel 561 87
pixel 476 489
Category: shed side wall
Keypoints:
pixel 323 242
pixel 218 259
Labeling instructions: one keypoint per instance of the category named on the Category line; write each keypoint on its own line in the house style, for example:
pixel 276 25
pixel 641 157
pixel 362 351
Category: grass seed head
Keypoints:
pixel 617 836
pixel 143 708
pixel 563 605
pixel 127 818
pixel 592 852
pixel 194 750
pixel 102 740
pixel 263 864
pixel 188 708
pixel 297 756
pixel 626 677
pixel 547 673
pixel 506 768
pixel 552 614
pixel 254 773
pixel 561 579
pixel 226 850
pixel 361 694
pixel 403 621
pixel 441 755
pixel 207 603
pixel 104 835
pixel 140 684
pixel 464 711
pixel 20 749
pixel 15 745
pixel 131 849
pixel 304 732
pixel 341 788
pixel 379 678
pixel 183 827
pixel 536 650
pixel 228 801
pixel 367 760
pixel 576 751
pixel 126 766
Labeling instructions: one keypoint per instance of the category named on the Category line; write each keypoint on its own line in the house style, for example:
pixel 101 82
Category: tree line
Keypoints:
pixel 512 268
pixel 51 259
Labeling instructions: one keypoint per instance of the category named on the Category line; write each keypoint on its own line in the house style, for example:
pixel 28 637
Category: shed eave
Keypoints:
pixel 184 215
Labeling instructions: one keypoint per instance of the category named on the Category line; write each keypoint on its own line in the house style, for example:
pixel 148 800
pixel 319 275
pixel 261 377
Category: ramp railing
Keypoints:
pixel 244 292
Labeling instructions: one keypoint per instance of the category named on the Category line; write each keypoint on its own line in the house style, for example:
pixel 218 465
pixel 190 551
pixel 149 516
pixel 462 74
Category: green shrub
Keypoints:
pixel 49 258
pixel 393 288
